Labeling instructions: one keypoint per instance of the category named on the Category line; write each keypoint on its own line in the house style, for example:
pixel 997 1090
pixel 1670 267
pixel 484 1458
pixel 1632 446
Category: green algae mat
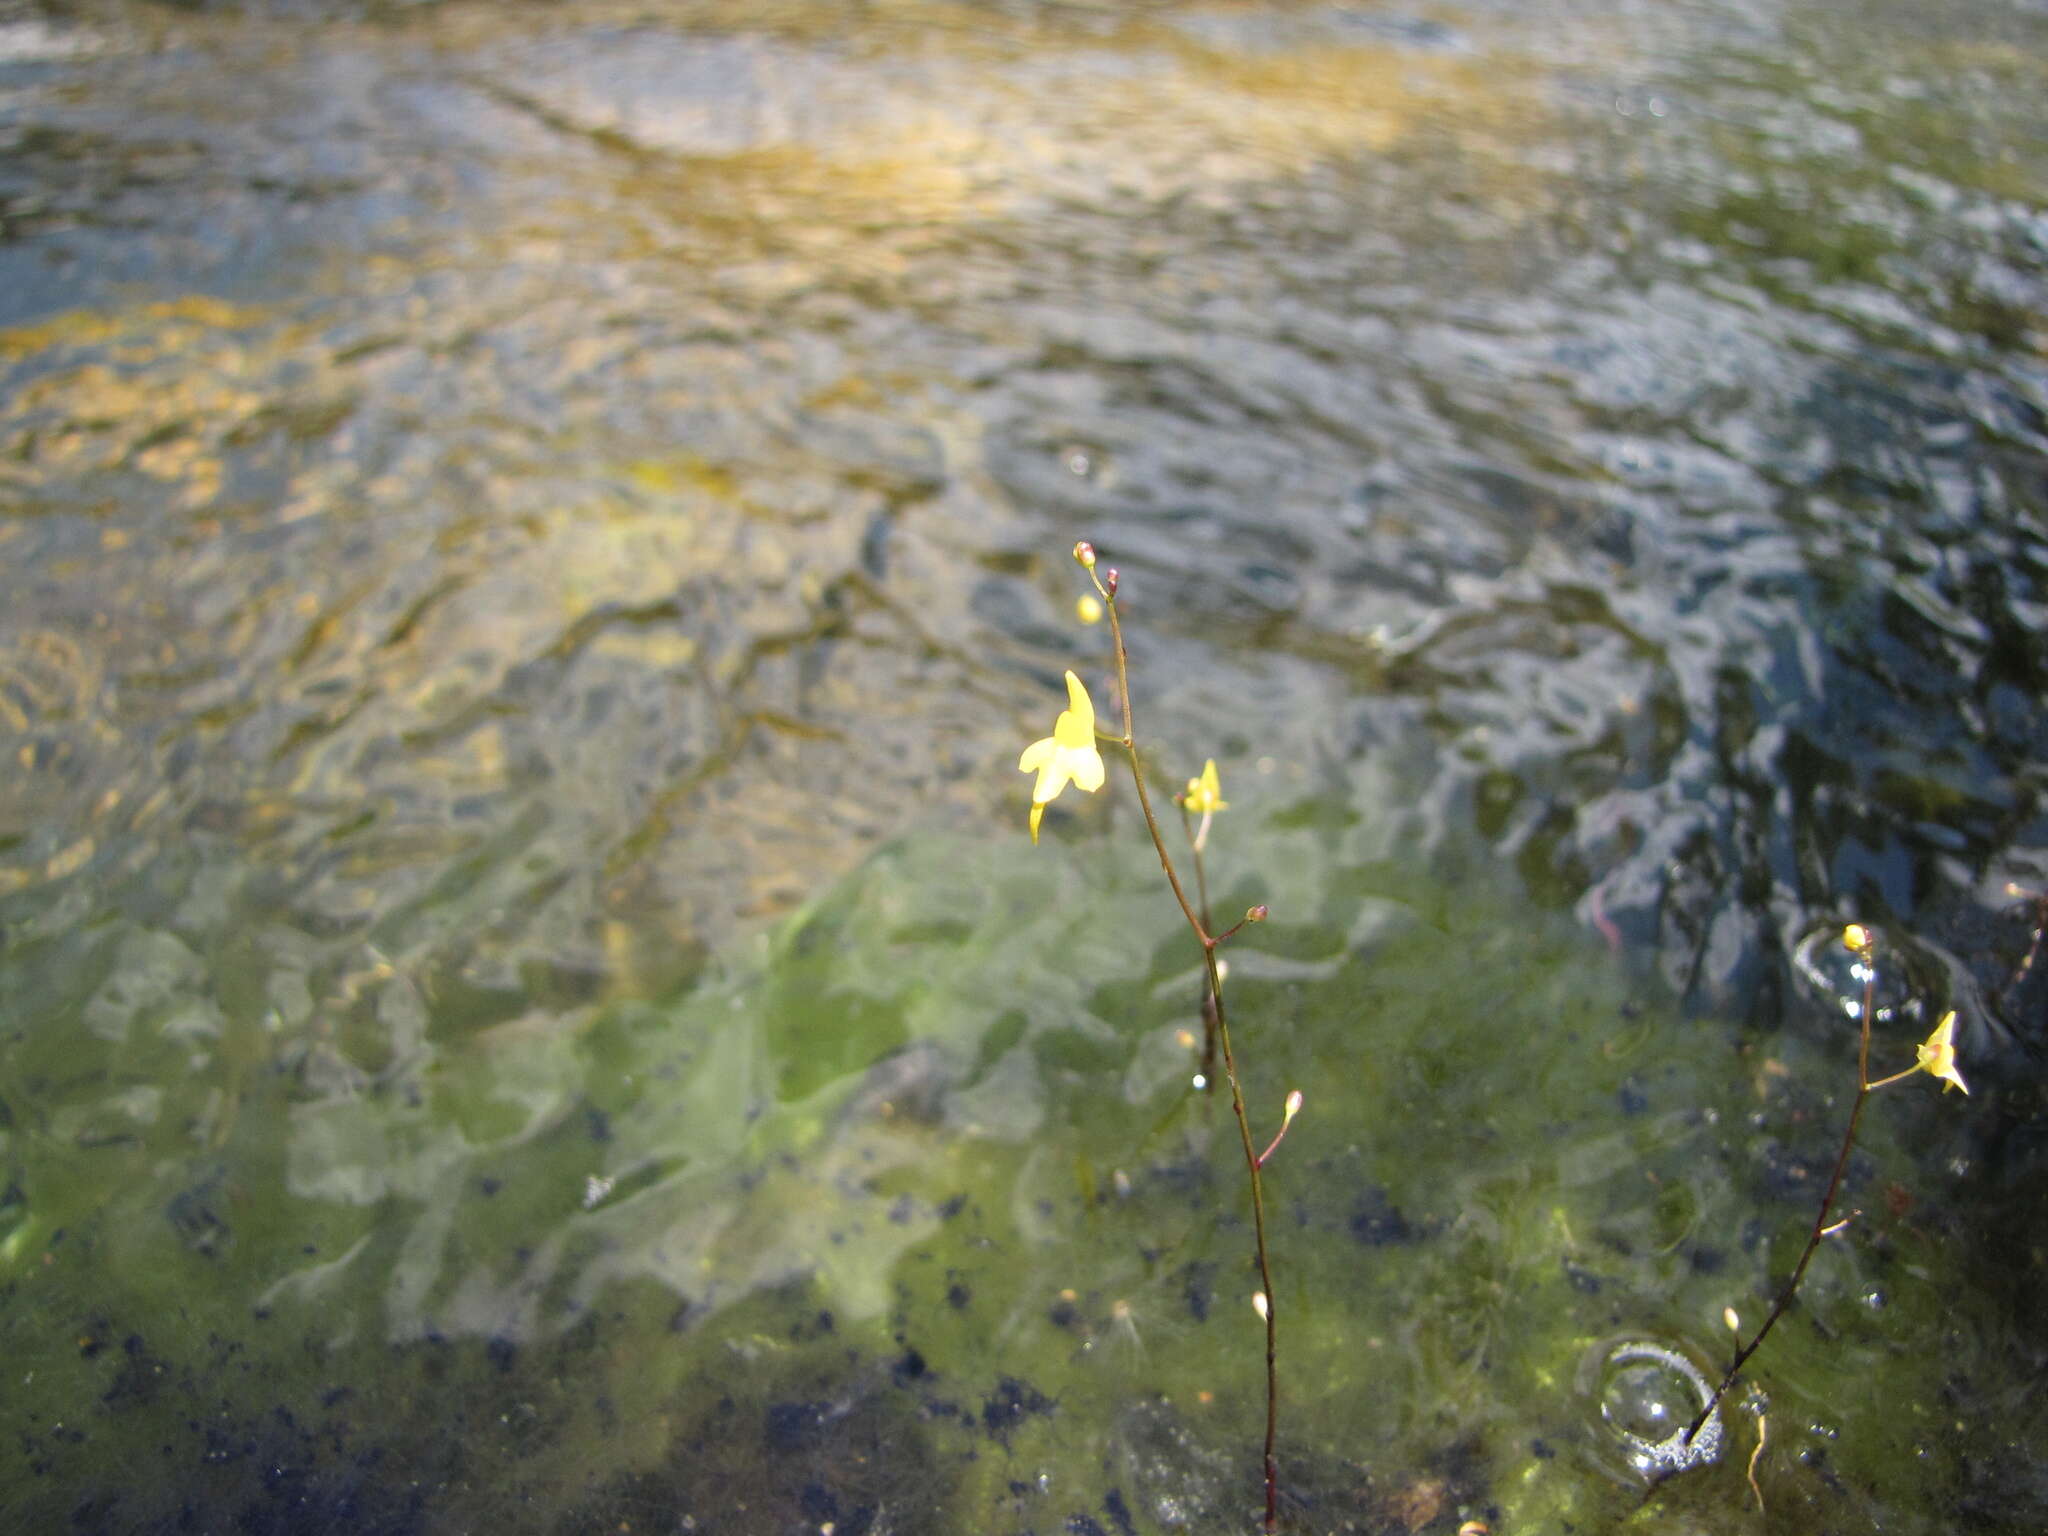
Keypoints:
pixel 908 1217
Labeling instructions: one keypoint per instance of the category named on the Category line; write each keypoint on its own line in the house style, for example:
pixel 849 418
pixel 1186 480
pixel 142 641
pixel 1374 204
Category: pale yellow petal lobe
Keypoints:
pixel 1080 705
pixel 1937 1057
pixel 1067 756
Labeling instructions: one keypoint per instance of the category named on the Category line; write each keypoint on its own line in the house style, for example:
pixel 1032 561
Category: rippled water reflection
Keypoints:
pixel 506 510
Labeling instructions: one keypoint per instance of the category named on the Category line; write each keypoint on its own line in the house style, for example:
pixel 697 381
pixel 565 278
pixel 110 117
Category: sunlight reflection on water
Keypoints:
pixel 532 541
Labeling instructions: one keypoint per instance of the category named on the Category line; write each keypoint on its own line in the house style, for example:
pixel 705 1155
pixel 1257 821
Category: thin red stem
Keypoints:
pixel 1202 894
pixel 1821 1225
pixel 1244 1128
pixel 1273 1146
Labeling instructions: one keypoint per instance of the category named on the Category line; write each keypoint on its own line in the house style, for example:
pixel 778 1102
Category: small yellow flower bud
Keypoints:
pixel 1287 1115
pixel 1734 1323
pixel 1084 553
pixel 1256 914
pixel 1856 938
pixel 1260 1306
pixel 1088 608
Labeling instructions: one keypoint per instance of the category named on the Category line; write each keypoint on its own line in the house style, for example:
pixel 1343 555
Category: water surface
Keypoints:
pixel 533 538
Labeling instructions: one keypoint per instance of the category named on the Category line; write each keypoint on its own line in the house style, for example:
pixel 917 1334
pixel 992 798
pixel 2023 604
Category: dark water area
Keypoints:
pixel 531 538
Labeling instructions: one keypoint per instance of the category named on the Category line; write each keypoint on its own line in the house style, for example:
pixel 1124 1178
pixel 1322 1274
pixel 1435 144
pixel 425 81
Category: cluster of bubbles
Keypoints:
pixel 1647 1395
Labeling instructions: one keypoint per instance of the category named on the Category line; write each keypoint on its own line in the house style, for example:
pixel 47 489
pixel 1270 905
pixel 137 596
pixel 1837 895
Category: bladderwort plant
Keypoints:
pixel 1936 1056
pixel 1070 755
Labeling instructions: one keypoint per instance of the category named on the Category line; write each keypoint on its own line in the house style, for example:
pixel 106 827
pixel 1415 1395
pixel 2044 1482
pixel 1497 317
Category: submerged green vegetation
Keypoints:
pixel 531 539
pixel 910 1208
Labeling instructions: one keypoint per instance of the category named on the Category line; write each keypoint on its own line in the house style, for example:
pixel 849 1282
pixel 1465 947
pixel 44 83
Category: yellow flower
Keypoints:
pixel 1088 609
pixel 1205 795
pixel 1067 754
pixel 1937 1057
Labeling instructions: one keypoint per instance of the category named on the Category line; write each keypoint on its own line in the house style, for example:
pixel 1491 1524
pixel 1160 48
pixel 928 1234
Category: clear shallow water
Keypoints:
pixel 533 539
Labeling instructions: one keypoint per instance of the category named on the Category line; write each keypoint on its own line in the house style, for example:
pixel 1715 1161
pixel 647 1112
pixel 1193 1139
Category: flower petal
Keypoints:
pixel 1067 756
pixel 1052 778
pixel 1086 768
pixel 1204 795
pixel 1937 1057
pixel 1076 724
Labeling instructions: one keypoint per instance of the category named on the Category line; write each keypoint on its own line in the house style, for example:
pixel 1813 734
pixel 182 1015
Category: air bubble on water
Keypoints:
pixel 1093 465
pixel 1837 976
pixel 1648 1395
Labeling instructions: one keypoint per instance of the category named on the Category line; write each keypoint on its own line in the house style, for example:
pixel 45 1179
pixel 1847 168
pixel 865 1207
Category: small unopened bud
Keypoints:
pixel 1259 1305
pixel 1856 938
pixel 1084 552
pixel 1109 581
pixel 1256 914
pixel 1734 1323
pixel 1287 1115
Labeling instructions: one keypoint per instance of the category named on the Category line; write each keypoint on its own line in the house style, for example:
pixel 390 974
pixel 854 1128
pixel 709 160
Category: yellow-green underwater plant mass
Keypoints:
pixel 914 1210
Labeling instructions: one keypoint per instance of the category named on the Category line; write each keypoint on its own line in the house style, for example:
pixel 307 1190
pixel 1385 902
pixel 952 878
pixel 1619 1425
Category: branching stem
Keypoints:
pixel 1821 1226
pixel 1197 922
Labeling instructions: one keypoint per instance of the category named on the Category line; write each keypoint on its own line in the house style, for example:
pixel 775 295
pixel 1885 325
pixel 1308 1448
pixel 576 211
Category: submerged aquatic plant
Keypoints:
pixel 1069 755
pixel 1936 1056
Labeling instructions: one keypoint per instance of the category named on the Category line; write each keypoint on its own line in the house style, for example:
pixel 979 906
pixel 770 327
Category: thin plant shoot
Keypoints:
pixel 1071 755
pixel 1936 1056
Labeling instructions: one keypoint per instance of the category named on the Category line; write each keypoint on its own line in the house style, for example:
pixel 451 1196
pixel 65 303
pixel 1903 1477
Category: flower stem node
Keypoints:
pixel 1067 756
